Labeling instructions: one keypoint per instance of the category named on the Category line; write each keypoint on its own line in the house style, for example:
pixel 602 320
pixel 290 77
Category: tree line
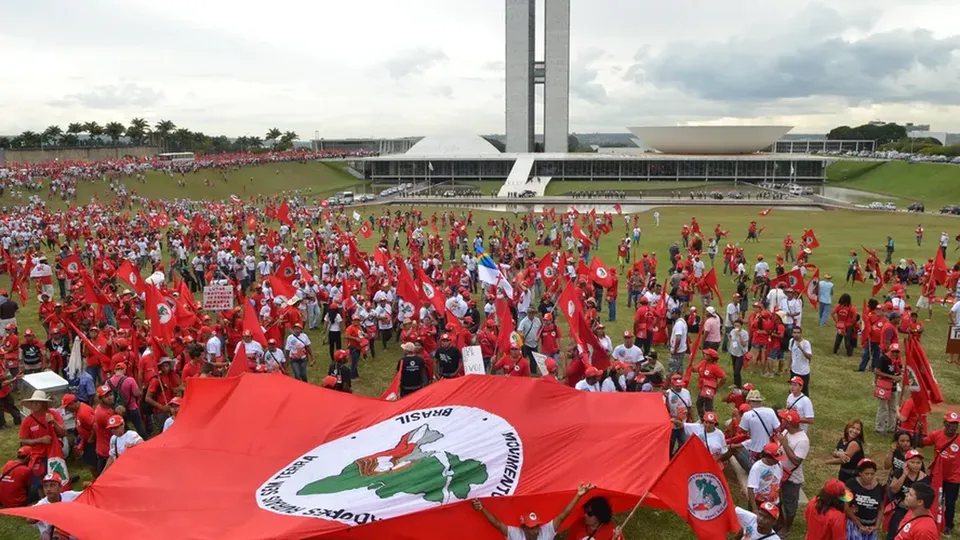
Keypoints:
pixel 165 134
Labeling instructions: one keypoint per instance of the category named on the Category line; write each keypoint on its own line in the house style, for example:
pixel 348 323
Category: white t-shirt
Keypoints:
pixel 795 311
pixel 764 480
pixel 955 311
pixel 608 386
pixel 801 447
pixel 676 400
pixel 633 355
pixel 546 532
pixel 296 346
pixel 335 323
pixel 798 362
pixel 46 529
pixel 715 442
pixel 748 522
pixel 167 424
pixel 754 422
pixel 679 336
pixel 733 313
pixel 119 445
pixel 584 386
pixel 802 405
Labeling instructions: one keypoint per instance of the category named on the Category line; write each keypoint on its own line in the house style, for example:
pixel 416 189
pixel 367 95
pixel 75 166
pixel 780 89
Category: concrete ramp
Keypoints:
pixel 518 177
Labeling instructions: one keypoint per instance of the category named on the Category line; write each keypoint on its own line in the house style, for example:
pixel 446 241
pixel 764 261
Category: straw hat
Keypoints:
pixel 754 395
pixel 39 396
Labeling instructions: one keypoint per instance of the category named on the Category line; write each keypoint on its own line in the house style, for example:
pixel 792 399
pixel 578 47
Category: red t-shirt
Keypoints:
pixel 100 417
pixel 829 526
pixel 606 532
pixel 13 487
pixel 191 369
pixel 921 528
pixel 909 411
pixel 948 448
pixel 85 419
pixel 520 368
pixel 163 394
pixel 35 426
pixel 710 374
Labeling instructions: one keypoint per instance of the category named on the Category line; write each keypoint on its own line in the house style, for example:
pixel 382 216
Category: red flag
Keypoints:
pixel 406 288
pixel 238 366
pixel 939 272
pixel 811 288
pixel 161 315
pixel 877 283
pixel 91 293
pixel 393 391
pixel 809 239
pixel 365 231
pixel 72 265
pixel 570 305
pixel 578 233
pixel 766 212
pixel 618 208
pixel 505 318
pixel 936 482
pixel 429 292
pixel 251 322
pixel 791 280
pixel 709 283
pixel 251 222
pixel 591 344
pixel 694 487
pixel 356 257
pixel 286 270
pixel 281 287
pixel 694 351
pixel 547 272
pixel 129 273
pixel 283 214
pixel 924 388
pixel 600 274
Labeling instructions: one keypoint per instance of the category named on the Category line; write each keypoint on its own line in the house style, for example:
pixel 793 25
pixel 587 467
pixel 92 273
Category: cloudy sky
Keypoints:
pixel 419 67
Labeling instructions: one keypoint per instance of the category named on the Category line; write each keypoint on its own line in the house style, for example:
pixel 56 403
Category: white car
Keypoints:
pixel 890 206
pixel 876 206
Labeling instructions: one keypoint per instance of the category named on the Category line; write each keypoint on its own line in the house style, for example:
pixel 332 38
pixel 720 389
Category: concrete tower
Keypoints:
pixel 523 73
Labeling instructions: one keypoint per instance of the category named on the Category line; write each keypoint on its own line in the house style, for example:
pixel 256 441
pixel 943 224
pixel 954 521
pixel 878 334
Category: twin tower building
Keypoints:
pixel 524 72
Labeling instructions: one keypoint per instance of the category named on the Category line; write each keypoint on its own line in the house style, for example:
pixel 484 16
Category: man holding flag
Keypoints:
pixel 488 272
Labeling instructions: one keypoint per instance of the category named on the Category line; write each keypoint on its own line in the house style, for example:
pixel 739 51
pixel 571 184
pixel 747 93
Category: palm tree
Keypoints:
pixel 240 143
pixel 74 129
pixel 94 130
pixel 30 139
pixel 273 135
pixel 114 130
pixel 163 129
pixel 50 135
pixel 138 130
pixel 5 142
pixel 70 140
pixel 286 141
pixel 254 142
pixel 180 138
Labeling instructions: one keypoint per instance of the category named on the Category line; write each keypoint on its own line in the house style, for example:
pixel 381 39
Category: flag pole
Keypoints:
pixel 647 492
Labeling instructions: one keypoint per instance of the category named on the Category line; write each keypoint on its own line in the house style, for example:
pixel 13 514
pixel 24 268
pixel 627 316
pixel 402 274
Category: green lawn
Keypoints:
pixel 934 184
pixel 839 394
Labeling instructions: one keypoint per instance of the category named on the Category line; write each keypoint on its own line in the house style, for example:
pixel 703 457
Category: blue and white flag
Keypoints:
pixel 489 272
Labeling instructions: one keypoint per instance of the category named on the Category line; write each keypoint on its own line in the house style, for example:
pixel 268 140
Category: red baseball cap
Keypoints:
pixel 115 421
pixel 103 390
pixel 531 520
pixel 627 334
pixel 710 416
pixel 796 380
pixel 445 337
pixel 894 347
pixel 745 407
pixel 593 372
pixel 912 454
pixel 790 416
pixel 24 451
pixel 711 353
pixel 67 400
pixel 53 477
pixel 176 401
pixel 551 365
pixel 771 509
pixel 771 449
pixel 749 386
pixel 837 489
pixel 951 417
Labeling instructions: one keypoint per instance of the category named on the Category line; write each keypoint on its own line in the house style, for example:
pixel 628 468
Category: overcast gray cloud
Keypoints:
pixel 428 66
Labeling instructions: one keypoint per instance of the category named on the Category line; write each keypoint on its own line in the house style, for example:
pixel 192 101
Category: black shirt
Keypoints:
pixel 866 501
pixel 888 367
pixel 343 375
pixel 449 359
pixel 31 354
pixel 413 372
pixel 8 309
pixel 848 470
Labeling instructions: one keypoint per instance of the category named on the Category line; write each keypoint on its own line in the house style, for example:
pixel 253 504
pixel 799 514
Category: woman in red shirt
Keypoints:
pixel 826 513
pixel 596 522
pixel 844 318
pixel 550 337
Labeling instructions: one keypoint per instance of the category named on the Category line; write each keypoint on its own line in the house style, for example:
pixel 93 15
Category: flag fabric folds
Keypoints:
pixel 489 272
pixel 402 470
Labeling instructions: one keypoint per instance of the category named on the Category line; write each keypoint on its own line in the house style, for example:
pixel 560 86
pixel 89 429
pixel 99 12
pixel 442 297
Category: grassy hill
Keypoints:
pixel 934 184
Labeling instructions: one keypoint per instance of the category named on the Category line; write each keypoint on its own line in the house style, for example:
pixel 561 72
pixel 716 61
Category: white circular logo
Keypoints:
pixel 133 278
pixel 571 308
pixel 73 268
pixel 409 463
pixel 164 313
pixel 954 448
pixel 601 273
pixel 549 272
pixel 428 290
pixel 707 499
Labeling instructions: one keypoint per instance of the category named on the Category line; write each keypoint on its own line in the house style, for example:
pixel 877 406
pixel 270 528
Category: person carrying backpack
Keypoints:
pixel 126 397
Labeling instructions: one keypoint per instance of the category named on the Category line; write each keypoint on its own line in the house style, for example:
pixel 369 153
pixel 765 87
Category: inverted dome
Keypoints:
pixel 710 139
pixel 452 145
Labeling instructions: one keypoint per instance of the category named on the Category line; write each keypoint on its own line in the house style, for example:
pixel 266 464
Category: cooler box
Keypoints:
pixel 54 385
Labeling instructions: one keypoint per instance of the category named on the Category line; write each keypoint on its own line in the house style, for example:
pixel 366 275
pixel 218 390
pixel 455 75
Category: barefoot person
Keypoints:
pixel 532 526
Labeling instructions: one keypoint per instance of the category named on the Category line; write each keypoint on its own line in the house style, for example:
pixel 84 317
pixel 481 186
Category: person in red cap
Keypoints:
pixel 298 350
pixel 550 337
pixel 86 436
pixel 532 526
pixel 800 402
pixel 759 525
pixel 174 411
pixel 707 432
pixel 448 358
pixel 889 374
pixel 552 370
pixel 868 495
pixel 946 447
pixel 31 352
pixel 710 376
pixel 121 439
pixel 487 339
pixel 912 474
pixel 826 513
pixel 342 372
pixel 514 364
pixel 591 380
pixel 796 447
pixel 52 490
pixel 101 416
pixel 16 480
pixel 921 525
pixel 679 407
pixel 766 474
pixel 628 352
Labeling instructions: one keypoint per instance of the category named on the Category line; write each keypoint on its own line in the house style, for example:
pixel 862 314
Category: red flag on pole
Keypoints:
pixel 578 233
pixel 251 322
pixel 791 280
pixel 547 272
pixel 283 214
pixel 161 315
pixel 694 487
pixel 238 366
pixel 709 283
pixel 939 272
pixel 809 239
pixel 365 231
pixel 877 283
pixel 429 292
pixel 924 388
pixel 131 275
pixel 600 274
pixel 406 289
pixel 811 288
pixel 505 318
pixel 766 212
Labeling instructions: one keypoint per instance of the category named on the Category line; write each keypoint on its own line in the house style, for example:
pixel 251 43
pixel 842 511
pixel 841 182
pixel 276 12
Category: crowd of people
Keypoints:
pixel 304 293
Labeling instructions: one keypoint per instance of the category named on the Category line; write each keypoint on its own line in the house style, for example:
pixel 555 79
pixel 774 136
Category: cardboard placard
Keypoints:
pixel 473 361
pixel 218 298
pixel 541 360
pixel 953 340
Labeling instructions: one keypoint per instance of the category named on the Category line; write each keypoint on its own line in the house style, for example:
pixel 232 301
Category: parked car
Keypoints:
pixel 916 207
pixel 449 193
pixel 876 205
pixel 525 194
pixel 890 206
pixel 952 210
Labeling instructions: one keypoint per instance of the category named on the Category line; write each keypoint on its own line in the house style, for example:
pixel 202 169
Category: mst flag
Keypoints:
pixel 693 486
pixel 811 288
pixel 924 388
pixel 791 280
pixel 365 231
pixel 579 234
pixel 600 274
pixel 939 272
pixel 160 314
pixel 766 212
pixel 401 470
pixel 809 239
pixel 283 214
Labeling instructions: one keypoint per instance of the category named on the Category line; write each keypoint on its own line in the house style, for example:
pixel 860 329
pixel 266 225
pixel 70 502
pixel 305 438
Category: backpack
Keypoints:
pixel 118 399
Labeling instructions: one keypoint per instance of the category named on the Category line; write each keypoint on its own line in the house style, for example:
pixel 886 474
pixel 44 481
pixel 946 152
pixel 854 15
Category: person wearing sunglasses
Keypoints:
pixel 596 522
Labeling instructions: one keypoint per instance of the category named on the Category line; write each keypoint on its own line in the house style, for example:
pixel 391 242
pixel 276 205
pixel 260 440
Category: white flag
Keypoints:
pixel 356 216
pixel 430 165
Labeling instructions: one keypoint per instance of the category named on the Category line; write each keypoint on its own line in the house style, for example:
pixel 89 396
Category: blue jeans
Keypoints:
pixel 677 438
pixel 354 362
pixel 299 368
pixel 871 354
pixel 613 309
pixel 824 313
pixel 94 372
